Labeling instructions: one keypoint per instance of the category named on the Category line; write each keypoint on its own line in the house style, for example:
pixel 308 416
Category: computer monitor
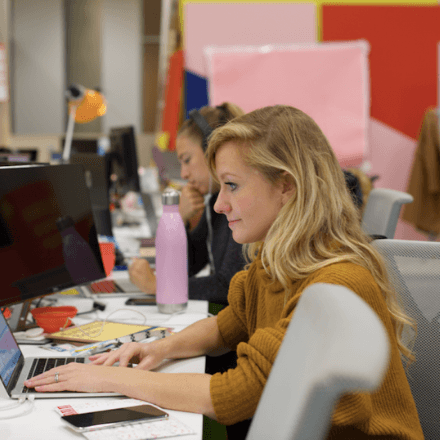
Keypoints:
pixel 15 157
pixel 82 145
pixel 21 155
pixel 123 160
pixel 48 240
pixel 96 176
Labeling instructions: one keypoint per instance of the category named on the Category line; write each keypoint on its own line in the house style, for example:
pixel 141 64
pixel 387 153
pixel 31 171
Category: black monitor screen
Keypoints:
pixel 48 239
pixel 80 145
pixel 123 157
pixel 95 172
pixel 96 175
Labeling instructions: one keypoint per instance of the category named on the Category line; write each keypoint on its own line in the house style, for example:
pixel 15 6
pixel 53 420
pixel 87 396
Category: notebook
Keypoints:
pixel 15 368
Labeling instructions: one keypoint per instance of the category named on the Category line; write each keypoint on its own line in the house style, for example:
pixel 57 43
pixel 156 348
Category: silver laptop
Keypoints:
pixel 15 369
pixel 121 287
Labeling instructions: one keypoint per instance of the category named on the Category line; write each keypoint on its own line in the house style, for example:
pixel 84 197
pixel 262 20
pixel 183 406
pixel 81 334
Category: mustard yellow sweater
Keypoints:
pixel 254 325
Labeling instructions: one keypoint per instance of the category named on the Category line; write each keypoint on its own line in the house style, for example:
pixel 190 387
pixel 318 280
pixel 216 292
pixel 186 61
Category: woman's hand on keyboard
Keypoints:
pixel 146 356
pixel 142 276
pixel 76 377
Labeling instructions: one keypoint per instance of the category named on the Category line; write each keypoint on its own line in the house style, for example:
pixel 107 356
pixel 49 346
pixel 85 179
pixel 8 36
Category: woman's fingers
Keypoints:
pixel 73 377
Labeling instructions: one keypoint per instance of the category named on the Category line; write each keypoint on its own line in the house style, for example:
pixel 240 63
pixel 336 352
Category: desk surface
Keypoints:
pixel 44 423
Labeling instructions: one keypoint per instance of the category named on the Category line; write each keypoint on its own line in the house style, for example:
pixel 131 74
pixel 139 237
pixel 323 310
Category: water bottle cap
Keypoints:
pixel 170 197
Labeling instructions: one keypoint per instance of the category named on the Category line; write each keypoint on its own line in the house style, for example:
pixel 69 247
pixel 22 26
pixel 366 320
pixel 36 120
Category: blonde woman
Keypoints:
pixel 284 196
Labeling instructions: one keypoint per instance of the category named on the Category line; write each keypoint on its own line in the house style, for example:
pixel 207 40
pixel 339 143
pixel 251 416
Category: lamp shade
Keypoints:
pixel 89 106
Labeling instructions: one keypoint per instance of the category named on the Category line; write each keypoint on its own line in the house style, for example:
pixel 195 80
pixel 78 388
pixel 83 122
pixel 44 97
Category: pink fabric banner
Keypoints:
pixel 231 23
pixel 328 81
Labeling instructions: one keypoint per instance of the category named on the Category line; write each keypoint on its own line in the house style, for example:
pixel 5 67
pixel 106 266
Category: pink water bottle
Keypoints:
pixel 171 257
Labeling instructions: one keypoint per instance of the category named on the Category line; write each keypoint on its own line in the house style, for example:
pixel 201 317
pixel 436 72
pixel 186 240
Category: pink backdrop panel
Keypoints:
pixel 328 81
pixel 224 24
pixel 392 155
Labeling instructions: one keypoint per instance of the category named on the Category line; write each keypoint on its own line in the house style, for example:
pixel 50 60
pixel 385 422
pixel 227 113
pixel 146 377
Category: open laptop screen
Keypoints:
pixel 9 352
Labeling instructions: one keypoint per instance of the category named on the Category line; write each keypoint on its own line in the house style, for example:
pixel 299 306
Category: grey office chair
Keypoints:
pixel 334 344
pixel 382 211
pixel 414 268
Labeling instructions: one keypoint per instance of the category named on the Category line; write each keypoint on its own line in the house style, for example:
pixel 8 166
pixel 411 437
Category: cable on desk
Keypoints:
pixel 94 335
pixel 27 402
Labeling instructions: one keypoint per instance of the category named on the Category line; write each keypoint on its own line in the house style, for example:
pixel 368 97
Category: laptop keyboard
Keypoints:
pixel 106 286
pixel 44 364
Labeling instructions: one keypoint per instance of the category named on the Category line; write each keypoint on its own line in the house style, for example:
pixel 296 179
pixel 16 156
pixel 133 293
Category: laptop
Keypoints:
pixel 167 164
pixel 123 286
pixel 15 369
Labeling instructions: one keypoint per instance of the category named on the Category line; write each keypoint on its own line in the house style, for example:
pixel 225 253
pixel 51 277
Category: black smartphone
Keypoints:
pixel 143 301
pixel 114 417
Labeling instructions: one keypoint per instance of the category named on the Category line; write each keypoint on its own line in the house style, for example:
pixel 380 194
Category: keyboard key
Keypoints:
pixel 60 361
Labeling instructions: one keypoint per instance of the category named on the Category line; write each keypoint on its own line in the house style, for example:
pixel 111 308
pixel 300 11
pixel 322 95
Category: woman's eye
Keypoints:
pixel 186 161
pixel 232 186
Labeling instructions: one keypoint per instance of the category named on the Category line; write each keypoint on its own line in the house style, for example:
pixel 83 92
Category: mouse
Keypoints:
pixel 34 332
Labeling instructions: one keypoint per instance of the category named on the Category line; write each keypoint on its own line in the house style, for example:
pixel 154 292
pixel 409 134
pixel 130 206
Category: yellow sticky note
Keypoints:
pixel 70 292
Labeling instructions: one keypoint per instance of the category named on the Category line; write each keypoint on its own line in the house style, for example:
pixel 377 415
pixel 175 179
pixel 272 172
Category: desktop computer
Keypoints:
pixel 48 238
pixel 124 167
pixel 124 170
pixel 96 177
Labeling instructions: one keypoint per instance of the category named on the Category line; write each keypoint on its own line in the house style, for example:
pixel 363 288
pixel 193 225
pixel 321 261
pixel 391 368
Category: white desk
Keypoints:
pixel 44 423
pixel 127 237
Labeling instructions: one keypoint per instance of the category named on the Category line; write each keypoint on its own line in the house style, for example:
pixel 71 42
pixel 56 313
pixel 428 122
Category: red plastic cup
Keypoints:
pixel 108 256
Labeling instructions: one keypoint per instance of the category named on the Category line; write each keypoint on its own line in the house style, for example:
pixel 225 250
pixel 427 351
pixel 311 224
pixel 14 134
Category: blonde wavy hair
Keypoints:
pixel 320 224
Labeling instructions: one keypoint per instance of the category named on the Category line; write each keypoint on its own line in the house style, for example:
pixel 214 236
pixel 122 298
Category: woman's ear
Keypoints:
pixel 288 187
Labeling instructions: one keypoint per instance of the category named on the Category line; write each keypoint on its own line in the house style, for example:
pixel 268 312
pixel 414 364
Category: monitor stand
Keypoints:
pixel 17 321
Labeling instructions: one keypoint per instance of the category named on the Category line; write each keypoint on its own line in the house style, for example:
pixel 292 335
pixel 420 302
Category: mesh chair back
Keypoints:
pixel 382 211
pixel 414 269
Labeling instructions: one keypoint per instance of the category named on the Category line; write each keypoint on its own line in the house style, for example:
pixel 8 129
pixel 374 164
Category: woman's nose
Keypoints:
pixel 184 172
pixel 221 206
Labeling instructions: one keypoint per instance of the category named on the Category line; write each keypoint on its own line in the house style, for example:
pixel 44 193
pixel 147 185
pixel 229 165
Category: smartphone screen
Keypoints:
pixel 114 417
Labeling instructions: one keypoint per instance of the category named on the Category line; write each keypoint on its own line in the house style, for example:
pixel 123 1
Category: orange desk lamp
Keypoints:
pixel 85 105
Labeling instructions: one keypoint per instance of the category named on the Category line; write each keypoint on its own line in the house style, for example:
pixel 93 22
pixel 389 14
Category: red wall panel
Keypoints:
pixel 403 57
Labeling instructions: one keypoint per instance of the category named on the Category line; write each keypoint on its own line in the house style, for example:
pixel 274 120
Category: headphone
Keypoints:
pixel 202 123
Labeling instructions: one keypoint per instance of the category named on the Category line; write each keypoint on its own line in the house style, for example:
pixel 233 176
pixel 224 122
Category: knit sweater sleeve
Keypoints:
pixel 232 320
pixel 235 394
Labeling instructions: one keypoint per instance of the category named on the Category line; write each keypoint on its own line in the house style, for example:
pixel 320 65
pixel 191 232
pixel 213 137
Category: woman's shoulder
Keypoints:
pixel 349 274
pixel 343 267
